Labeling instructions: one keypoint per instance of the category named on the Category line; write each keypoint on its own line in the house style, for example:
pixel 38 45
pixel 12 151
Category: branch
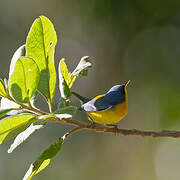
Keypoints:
pixel 124 132
pixel 104 129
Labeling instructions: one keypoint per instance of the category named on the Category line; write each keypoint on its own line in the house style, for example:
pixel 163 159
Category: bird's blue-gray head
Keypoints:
pixel 117 94
pixel 117 88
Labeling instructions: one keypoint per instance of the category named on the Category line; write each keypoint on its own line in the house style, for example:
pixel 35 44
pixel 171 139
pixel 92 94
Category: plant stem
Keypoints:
pixel 28 108
pixel 124 132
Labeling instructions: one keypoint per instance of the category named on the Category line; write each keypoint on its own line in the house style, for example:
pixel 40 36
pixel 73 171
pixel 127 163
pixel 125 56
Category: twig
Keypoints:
pixel 104 129
pixel 124 132
pixel 28 108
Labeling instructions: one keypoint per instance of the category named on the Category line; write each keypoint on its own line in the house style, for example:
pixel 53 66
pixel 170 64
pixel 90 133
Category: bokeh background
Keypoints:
pixel 126 39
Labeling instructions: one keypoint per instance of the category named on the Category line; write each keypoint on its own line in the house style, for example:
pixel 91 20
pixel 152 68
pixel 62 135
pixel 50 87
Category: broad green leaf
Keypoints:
pixel 44 159
pixel 14 132
pixel 66 74
pixel 9 126
pixel 3 112
pixel 69 78
pixel 82 67
pixel 24 135
pixel 24 80
pixel 64 70
pixel 7 104
pixel 40 45
pixel 63 87
pixel 19 53
pixel 3 92
pixel 67 110
pixel 72 79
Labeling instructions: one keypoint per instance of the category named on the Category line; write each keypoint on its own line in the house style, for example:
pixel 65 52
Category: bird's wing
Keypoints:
pixel 97 104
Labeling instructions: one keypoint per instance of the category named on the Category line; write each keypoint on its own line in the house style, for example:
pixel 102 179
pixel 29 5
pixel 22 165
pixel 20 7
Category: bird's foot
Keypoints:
pixel 92 125
pixel 115 128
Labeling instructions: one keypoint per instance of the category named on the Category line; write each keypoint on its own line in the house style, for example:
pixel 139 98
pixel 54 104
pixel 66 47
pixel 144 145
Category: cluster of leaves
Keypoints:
pixel 32 73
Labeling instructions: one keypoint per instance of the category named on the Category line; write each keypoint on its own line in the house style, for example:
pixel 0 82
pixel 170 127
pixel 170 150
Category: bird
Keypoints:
pixel 109 108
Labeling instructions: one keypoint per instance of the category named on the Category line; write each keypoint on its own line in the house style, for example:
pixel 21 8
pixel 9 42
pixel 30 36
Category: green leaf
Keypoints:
pixel 65 72
pixel 7 104
pixel 82 67
pixel 63 76
pixel 67 79
pixel 43 160
pixel 24 135
pixel 10 126
pixel 19 53
pixel 3 92
pixel 67 110
pixel 40 45
pixel 72 79
pixel 24 80
pixel 3 112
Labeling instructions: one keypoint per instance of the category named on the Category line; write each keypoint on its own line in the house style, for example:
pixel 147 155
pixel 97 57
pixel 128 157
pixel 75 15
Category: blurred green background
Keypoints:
pixel 126 39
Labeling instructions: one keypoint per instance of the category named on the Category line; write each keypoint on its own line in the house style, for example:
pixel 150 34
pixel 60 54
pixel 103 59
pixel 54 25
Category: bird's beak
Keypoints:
pixel 126 83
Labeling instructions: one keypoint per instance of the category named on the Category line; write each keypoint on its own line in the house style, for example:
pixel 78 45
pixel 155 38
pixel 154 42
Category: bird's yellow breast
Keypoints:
pixel 110 116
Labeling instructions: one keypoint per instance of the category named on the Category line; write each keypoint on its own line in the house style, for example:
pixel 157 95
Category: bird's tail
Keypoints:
pixel 83 99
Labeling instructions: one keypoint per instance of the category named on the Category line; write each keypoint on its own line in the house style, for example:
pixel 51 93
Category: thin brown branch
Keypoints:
pixel 104 129
pixel 124 132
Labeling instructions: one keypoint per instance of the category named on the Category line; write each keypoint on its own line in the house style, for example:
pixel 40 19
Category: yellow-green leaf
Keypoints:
pixel 19 53
pixel 64 71
pixel 40 45
pixel 43 160
pixel 24 135
pixel 13 125
pixel 72 79
pixel 24 80
pixel 2 89
pixel 80 70
pixel 68 77
pixel 3 112
pixel 63 79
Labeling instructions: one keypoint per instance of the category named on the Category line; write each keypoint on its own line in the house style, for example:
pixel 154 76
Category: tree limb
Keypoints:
pixel 124 132
pixel 104 129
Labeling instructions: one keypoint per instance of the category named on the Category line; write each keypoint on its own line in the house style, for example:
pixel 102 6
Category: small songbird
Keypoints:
pixel 108 108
